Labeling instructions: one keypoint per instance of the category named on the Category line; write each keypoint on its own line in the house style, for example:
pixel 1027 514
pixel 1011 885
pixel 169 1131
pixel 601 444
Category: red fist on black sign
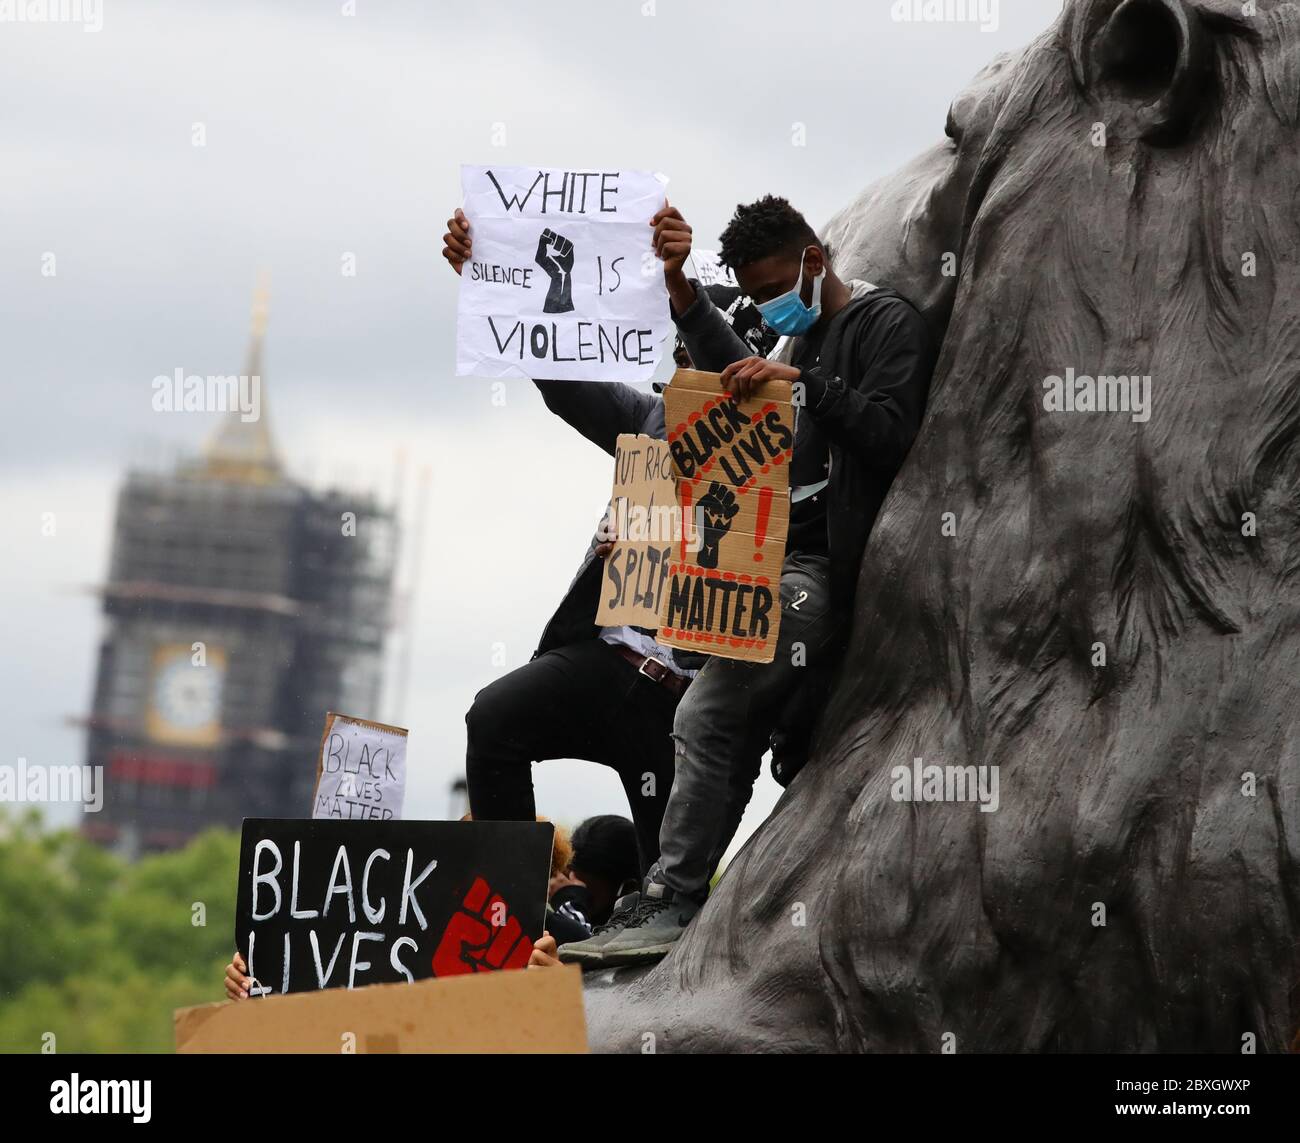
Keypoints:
pixel 481 938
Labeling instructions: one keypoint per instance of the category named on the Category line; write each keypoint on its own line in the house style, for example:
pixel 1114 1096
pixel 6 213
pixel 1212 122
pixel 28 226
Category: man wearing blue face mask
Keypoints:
pixel 860 359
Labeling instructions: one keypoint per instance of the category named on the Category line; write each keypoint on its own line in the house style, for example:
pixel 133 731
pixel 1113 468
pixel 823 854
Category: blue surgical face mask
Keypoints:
pixel 787 314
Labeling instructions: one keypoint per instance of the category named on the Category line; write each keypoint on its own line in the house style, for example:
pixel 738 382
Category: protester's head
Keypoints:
pixel 778 261
pixel 605 859
pixel 561 850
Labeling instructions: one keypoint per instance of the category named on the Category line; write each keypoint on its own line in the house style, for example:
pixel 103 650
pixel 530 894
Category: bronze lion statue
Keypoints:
pixel 1102 605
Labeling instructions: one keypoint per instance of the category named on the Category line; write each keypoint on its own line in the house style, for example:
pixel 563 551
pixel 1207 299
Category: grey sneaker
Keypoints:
pixel 650 933
pixel 587 953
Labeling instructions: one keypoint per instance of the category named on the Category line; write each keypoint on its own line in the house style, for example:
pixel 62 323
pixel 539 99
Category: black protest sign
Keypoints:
pixel 327 904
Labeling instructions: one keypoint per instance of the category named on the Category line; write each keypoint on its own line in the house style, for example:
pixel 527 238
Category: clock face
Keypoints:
pixel 185 696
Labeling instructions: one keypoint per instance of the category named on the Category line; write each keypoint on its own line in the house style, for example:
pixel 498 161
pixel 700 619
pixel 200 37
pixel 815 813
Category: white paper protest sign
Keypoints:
pixel 360 770
pixel 563 282
pixel 710 271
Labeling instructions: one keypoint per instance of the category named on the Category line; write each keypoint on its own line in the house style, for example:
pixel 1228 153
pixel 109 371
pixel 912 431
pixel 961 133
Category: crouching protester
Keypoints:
pixel 603 868
pixel 860 359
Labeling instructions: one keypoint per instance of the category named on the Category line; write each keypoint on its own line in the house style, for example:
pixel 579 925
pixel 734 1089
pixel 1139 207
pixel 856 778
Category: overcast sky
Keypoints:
pixel 328 134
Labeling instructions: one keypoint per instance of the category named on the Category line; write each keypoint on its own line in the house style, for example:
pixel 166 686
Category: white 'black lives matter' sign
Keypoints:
pixel 341 904
pixel 563 282
pixel 360 770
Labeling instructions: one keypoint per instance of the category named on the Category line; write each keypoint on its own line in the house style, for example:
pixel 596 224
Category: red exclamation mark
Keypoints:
pixel 685 493
pixel 760 525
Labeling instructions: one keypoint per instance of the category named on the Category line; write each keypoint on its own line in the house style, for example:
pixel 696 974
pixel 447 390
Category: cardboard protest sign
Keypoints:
pixel 488 1012
pixel 563 282
pixel 644 522
pixel 360 770
pixel 733 460
pixel 329 904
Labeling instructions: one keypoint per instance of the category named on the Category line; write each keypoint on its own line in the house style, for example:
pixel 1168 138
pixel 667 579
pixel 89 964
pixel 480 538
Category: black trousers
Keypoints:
pixel 581 701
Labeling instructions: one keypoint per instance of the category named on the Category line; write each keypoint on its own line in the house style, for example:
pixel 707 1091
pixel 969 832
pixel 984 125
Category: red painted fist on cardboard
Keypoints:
pixel 481 937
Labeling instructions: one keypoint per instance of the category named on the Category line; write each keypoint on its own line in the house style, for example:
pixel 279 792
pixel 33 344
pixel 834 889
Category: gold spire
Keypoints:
pixel 241 449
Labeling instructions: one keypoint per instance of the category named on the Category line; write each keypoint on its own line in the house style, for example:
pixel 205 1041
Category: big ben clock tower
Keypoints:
pixel 238 611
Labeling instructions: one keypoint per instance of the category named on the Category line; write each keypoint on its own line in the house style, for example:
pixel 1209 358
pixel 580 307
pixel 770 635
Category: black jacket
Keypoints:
pixel 866 394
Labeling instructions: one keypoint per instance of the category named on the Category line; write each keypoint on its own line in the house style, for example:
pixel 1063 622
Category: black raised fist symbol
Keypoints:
pixel 715 511
pixel 555 257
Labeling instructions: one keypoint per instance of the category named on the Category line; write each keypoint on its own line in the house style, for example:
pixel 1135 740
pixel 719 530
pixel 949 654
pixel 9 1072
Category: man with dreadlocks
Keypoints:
pixel 860 359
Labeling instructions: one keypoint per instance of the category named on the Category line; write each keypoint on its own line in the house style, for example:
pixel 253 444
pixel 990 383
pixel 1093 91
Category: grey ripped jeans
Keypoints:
pixel 723 726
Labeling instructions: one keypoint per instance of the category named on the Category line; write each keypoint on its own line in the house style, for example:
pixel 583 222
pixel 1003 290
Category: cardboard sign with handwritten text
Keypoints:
pixel 360 770
pixel 733 461
pixel 644 522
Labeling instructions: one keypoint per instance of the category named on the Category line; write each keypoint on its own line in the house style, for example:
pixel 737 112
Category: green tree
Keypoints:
pixel 97 952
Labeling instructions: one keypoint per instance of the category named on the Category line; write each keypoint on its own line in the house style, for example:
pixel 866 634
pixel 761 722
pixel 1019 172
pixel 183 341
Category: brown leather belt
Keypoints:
pixel 653 669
